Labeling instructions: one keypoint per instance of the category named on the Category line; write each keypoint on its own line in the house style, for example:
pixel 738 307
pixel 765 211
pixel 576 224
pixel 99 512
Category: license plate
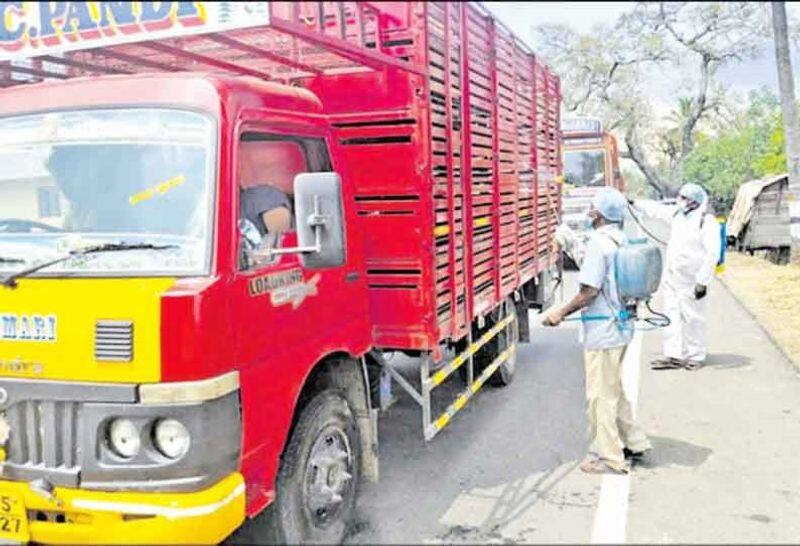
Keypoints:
pixel 13 519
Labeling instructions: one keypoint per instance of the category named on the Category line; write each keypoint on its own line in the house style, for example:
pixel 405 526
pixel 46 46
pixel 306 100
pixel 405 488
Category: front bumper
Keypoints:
pixel 79 516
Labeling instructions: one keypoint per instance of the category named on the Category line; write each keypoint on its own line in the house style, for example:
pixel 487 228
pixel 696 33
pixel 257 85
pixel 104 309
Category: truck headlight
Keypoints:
pixel 123 438
pixel 171 438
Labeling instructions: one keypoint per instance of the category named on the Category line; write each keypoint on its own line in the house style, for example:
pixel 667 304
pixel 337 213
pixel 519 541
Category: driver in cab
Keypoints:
pixel 266 175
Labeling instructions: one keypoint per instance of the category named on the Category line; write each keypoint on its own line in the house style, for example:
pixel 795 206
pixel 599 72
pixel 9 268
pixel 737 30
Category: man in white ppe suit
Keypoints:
pixel 692 253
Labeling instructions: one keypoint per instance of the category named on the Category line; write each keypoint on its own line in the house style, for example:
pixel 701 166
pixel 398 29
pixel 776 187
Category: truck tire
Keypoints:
pixel 486 354
pixel 317 481
pixel 509 336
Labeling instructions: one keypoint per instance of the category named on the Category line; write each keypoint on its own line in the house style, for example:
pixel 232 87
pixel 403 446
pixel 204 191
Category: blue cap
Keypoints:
pixel 611 204
pixel 694 193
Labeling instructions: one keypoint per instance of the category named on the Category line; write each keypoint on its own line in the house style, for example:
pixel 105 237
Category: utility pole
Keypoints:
pixel 789 110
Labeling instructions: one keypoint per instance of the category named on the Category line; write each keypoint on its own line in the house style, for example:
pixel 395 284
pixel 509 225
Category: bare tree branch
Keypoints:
pixel 698 108
pixel 638 156
pixel 602 73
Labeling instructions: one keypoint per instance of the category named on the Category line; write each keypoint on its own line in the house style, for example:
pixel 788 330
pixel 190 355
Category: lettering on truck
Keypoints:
pixel 27 327
pixel 34 25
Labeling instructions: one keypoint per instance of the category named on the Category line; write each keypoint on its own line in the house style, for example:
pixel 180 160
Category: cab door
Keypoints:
pixel 286 316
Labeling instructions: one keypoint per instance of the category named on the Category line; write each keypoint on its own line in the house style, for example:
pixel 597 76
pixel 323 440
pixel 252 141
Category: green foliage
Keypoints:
pixel 773 161
pixel 751 147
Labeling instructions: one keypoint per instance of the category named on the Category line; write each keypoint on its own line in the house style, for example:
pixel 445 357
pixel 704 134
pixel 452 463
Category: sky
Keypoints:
pixel 521 17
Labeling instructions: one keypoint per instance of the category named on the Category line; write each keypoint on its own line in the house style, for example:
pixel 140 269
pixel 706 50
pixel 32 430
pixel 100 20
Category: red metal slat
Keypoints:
pixel 495 157
pixel 364 56
pixel 134 60
pixel 203 59
pixel 515 211
pixel 455 322
pixel 261 52
pixel 466 157
pixel 67 61
pixel 32 71
pixel 535 152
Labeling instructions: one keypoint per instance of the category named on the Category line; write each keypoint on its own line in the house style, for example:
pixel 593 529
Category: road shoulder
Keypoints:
pixel 725 438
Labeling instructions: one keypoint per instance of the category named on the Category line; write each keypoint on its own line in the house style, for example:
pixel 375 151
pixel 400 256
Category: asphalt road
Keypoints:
pixel 724 467
pixel 502 470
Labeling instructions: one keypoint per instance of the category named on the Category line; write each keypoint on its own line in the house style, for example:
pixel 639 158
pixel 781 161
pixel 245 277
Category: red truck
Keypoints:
pixel 169 362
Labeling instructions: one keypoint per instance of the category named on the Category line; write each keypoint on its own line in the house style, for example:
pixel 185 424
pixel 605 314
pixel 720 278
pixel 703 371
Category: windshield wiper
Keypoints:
pixel 4 260
pixel 11 280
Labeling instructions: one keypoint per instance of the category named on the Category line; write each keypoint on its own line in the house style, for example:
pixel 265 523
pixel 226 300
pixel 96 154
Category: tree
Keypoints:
pixel 749 147
pixel 789 108
pixel 603 72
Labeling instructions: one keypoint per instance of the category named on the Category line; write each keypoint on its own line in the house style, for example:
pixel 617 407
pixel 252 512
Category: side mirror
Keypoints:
pixel 320 224
pixel 320 219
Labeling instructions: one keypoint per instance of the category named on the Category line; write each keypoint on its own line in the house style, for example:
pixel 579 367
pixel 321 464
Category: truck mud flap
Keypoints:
pixel 521 308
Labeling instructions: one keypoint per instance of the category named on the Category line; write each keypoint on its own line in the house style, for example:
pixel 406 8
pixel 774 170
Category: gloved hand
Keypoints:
pixel 700 291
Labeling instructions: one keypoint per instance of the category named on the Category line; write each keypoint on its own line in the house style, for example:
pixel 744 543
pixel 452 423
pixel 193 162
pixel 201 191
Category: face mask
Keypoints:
pixel 687 206
pixel 588 223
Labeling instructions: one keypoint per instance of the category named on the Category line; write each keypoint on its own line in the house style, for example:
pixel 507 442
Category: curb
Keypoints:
pixel 794 365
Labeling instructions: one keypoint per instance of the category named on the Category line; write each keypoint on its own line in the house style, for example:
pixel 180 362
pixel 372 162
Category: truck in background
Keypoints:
pixel 168 369
pixel 591 161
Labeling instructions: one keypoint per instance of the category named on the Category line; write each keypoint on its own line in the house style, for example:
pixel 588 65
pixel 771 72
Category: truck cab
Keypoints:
pixel 590 162
pixel 173 322
pixel 215 218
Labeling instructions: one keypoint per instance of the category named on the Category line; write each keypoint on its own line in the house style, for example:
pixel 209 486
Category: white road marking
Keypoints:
pixel 611 517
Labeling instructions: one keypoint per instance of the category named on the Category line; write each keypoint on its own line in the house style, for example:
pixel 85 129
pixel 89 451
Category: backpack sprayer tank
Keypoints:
pixel 638 268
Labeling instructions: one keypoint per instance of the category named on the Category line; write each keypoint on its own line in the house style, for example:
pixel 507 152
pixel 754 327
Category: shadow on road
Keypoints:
pixel 726 361
pixel 672 452
pixel 505 451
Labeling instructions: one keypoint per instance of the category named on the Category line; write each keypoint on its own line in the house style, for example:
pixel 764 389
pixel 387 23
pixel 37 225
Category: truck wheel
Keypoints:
pixel 486 354
pixel 508 337
pixel 318 478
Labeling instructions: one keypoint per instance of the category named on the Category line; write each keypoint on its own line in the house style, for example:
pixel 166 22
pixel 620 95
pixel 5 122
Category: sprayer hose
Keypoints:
pixel 641 225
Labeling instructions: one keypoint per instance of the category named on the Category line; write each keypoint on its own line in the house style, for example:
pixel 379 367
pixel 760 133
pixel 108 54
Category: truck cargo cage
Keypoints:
pixel 460 112
pixel 280 41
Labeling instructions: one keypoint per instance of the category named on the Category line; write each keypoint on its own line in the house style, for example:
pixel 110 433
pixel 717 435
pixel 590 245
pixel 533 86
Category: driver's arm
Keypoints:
pixel 270 207
pixel 277 220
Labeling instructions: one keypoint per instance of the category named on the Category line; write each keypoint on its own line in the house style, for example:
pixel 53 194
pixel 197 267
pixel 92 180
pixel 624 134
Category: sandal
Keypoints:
pixel 635 455
pixel 666 364
pixel 692 365
pixel 598 466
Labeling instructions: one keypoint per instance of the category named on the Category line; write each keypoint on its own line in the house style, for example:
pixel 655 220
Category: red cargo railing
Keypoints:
pixel 302 39
pixel 448 125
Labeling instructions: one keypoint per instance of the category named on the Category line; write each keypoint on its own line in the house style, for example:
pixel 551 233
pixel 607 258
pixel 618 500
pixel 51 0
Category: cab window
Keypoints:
pixel 268 165
pixel 584 168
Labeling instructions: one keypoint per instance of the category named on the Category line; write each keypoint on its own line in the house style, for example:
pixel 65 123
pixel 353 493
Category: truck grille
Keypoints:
pixel 113 340
pixel 43 433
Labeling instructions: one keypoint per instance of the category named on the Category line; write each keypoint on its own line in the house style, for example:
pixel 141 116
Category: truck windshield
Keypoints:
pixel 584 168
pixel 69 180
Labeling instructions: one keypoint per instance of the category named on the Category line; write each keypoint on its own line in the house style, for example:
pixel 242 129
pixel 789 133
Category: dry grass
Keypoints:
pixel 772 293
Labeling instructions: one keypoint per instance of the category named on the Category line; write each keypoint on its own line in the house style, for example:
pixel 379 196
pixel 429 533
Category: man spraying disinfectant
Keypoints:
pixel 607 329
pixel 692 254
